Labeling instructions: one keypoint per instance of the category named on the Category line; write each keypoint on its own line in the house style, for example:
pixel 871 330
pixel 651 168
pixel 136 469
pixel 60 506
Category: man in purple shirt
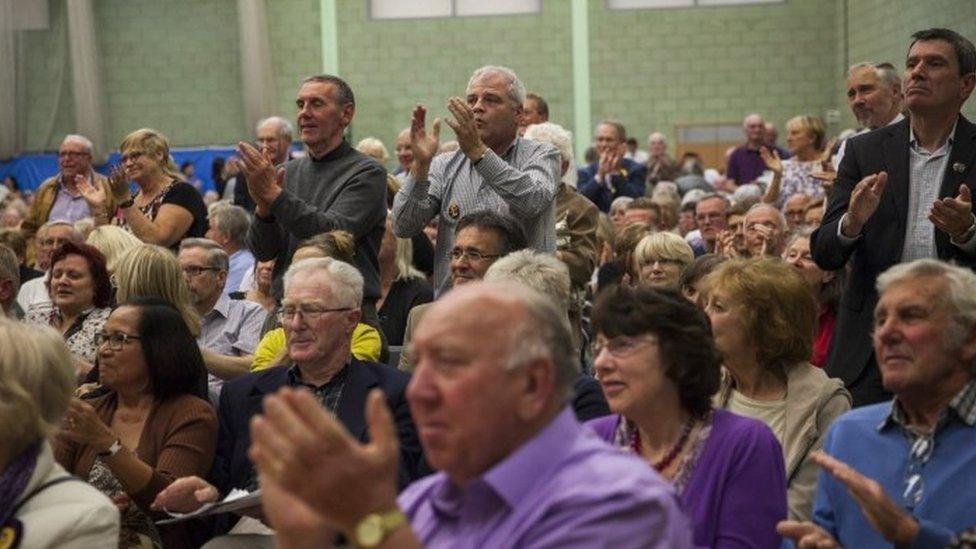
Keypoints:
pixel 494 370
pixel 745 164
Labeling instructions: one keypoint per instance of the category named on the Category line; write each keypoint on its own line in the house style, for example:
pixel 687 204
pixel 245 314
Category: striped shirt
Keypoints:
pixel 927 169
pixel 522 184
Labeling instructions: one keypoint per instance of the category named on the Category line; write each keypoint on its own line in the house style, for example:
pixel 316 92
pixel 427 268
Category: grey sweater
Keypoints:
pixel 345 190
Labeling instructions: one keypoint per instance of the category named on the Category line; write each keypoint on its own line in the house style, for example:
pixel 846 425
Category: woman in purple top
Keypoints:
pixel 659 369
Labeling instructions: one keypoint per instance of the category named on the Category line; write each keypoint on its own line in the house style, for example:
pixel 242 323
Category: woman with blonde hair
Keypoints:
pixel 113 242
pixel 166 209
pixel 153 271
pixel 660 258
pixel 52 508
pixel 806 140
pixel 763 316
pixel 402 287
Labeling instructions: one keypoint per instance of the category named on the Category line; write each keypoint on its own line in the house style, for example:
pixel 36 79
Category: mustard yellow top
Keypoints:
pixel 365 345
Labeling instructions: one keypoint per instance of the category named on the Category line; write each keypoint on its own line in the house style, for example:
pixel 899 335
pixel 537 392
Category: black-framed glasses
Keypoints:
pixel 116 341
pixel 195 271
pixel 310 313
pixel 918 456
pixel 473 255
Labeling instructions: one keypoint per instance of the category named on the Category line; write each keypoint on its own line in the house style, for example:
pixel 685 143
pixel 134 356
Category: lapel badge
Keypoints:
pixel 959 167
pixel 454 211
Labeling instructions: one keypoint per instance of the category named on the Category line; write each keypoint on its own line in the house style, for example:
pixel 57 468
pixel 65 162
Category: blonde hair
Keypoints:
pixel 153 143
pixel 112 241
pixel 404 260
pixel 36 382
pixel 373 147
pixel 663 246
pixel 812 126
pixel 153 271
pixel 337 244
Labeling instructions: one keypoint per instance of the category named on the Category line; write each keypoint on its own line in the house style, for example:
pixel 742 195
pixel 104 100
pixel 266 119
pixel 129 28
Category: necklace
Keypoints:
pixel 673 453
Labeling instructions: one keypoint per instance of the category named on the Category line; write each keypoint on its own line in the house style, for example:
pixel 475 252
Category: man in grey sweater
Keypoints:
pixel 332 187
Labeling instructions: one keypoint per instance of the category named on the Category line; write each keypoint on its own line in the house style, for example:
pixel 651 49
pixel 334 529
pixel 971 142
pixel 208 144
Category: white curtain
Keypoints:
pixel 85 78
pixel 257 80
pixel 8 83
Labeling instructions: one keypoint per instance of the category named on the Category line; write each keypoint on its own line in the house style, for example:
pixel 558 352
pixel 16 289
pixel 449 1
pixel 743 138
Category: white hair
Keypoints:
pixel 344 281
pixel 657 136
pixel 516 89
pixel 562 139
pixel 540 271
pixel 781 219
pixel 285 129
pixel 884 71
pixel 80 139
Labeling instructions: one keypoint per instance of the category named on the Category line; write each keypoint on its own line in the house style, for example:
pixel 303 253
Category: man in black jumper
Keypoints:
pixel 332 187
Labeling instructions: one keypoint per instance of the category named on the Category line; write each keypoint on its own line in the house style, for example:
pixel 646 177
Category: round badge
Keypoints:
pixel 10 534
pixel 454 211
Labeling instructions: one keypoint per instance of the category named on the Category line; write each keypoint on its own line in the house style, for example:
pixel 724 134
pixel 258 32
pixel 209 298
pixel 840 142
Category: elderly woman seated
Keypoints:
pixel 660 258
pixel 148 429
pixel 763 316
pixel 41 505
pixel 659 369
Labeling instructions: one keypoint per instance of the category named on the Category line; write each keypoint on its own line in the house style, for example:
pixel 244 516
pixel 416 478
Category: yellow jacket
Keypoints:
pixel 365 345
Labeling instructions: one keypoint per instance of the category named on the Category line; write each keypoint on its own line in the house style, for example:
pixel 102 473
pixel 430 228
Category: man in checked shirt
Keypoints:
pixel 494 169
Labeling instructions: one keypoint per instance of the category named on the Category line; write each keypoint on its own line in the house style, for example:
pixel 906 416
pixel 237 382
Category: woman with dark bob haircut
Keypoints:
pixel 659 369
pixel 150 428
pixel 763 317
pixel 81 295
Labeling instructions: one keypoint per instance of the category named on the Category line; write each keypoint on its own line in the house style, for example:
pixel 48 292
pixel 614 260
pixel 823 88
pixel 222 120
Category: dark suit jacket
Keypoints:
pixel 881 243
pixel 241 399
pixel 629 182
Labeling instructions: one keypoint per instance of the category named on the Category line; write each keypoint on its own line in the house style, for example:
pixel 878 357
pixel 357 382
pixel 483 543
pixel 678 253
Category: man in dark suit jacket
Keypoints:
pixel 612 175
pixel 899 196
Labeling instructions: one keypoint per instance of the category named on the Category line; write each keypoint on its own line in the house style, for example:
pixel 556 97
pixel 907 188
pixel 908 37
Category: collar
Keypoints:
pixel 295 377
pixel 913 143
pixel 222 306
pixel 963 405
pixel 337 152
pixel 515 476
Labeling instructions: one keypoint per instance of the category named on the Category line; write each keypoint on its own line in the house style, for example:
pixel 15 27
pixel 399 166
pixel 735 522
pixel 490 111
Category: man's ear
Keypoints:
pixel 537 383
pixel 348 112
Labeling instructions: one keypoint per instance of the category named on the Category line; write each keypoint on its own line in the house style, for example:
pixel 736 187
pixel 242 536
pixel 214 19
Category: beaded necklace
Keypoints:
pixel 679 445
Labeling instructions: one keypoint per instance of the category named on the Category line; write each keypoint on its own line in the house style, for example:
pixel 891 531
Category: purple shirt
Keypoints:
pixel 736 492
pixel 745 165
pixel 68 207
pixel 563 488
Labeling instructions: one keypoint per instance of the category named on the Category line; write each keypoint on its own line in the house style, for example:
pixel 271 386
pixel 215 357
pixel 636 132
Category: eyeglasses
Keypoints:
pixel 195 271
pixel 918 456
pixel 473 255
pixel 115 341
pixel 72 154
pixel 310 313
pixel 621 346
pixel 134 155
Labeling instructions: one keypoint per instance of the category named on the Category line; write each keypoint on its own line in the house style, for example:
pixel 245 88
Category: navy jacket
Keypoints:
pixel 629 181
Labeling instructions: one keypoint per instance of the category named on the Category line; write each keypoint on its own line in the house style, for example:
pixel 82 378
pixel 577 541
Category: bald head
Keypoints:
pixel 755 129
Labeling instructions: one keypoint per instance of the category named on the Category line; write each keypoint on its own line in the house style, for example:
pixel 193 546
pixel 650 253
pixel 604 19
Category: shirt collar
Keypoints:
pixel 222 306
pixel 295 377
pixel 963 405
pixel 913 142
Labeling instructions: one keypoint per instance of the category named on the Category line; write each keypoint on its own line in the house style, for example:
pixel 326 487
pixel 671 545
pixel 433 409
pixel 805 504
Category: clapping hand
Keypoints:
pixel 264 183
pixel 954 216
pixel 83 426
pixel 423 145
pixel 772 160
pixel 725 244
pixel 465 128
pixel 118 182
pixel 608 163
pixel 93 194
pixel 185 495
pixel 864 202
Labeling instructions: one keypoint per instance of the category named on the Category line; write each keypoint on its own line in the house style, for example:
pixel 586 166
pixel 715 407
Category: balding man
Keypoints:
pixel 745 165
pixel 58 197
pixel 765 230
pixel 494 368
pixel 611 175
pixel 494 169
pixel 274 135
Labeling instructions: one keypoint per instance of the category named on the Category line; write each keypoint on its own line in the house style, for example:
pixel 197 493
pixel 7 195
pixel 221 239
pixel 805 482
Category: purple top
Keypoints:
pixel 563 488
pixel 745 165
pixel 68 207
pixel 736 492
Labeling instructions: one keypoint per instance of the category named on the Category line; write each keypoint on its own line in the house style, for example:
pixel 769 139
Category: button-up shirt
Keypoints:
pixel 329 394
pixel 562 488
pixel 232 327
pixel 69 207
pixel 522 184
pixel 241 263
pixel 924 179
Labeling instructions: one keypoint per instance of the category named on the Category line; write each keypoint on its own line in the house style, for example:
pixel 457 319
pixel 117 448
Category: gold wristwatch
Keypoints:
pixel 372 529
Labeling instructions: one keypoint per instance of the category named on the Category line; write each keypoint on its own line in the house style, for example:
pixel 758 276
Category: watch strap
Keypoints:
pixel 112 450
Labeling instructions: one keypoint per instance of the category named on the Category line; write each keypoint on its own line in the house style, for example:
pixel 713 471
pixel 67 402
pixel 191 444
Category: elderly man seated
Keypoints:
pixel 319 311
pixel 494 368
pixel 909 462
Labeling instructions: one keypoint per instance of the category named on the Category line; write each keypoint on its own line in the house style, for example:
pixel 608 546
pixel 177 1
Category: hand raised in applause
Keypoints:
pixel 264 183
pixel 465 128
pixel 82 425
pixel 772 160
pixel 608 164
pixel 423 145
pixel 864 202
pixel 954 216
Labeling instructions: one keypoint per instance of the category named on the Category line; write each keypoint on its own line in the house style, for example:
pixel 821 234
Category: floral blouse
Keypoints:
pixel 80 337
pixel 797 179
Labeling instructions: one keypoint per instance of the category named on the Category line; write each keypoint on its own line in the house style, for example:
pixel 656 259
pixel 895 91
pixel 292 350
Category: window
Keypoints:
pixel 655 4
pixel 416 9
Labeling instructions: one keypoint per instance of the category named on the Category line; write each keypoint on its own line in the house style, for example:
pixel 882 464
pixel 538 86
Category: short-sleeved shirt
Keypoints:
pixel 180 194
pixel 233 328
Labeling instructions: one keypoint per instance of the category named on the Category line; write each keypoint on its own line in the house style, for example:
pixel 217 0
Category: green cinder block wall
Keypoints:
pixel 174 64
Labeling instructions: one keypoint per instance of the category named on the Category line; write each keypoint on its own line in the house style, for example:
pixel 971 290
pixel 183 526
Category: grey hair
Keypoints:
pixel 763 206
pixel 344 281
pixel 541 272
pixel 43 229
pixel 516 89
pixel 657 135
pixel 962 294
pixel 80 139
pixel 216 255
pixel 233 221
pixel 886 72
pixel 620 203
pixel 9 268
pixel 285 128
pixel 559 137
pixel 542 332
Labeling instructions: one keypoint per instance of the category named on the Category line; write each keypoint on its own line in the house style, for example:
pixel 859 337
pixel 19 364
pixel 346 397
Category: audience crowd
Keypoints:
pixel 498 344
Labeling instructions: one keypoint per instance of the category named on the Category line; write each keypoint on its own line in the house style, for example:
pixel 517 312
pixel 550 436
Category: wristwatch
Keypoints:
pixel 128 203
pixel 968 235
pixel 372 529
pixel 112 450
